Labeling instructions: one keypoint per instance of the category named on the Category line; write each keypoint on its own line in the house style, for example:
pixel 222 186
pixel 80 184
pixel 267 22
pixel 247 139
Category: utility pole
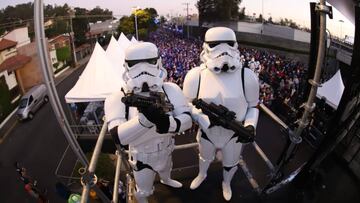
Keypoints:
pixel 187 18
pixel 72 15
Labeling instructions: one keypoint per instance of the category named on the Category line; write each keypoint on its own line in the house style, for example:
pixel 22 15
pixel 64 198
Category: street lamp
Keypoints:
pixel 134 9
pixel 341 23
pixel 262 16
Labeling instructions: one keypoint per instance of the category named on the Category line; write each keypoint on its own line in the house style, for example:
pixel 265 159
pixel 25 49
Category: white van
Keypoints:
pixel 32 101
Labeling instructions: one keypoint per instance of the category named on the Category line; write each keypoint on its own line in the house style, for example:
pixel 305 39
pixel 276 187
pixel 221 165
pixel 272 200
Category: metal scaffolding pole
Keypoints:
pixel 117 178
pixel 48 75
pixel 296 136
pixel 89 179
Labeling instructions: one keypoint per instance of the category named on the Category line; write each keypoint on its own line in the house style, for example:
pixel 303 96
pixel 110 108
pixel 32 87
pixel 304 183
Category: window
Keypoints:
pixel 31 99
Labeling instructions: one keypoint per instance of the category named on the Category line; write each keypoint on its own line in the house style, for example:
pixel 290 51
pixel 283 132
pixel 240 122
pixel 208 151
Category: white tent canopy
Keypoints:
pixel 133 40
pixel 98 80
pixel 332 90
pixel 123 41
pixel 116 55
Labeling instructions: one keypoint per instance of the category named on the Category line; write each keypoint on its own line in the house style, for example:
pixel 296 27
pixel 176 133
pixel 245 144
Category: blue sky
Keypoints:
pixel 297 10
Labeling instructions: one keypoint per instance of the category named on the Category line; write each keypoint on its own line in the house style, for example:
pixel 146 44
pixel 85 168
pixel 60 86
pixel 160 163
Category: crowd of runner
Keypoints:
pixel 280 78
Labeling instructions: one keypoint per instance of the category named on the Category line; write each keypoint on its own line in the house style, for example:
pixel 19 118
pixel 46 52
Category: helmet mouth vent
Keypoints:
pixel 144 73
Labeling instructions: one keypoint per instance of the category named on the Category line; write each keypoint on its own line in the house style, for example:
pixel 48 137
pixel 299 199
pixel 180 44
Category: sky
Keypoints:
pixel 297 10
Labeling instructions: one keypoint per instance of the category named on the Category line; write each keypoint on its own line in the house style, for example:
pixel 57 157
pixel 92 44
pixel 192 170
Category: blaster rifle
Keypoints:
pixel 155 99
pixel 220 115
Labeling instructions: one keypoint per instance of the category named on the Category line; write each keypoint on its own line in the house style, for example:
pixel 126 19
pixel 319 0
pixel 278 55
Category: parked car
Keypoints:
pixel 32 101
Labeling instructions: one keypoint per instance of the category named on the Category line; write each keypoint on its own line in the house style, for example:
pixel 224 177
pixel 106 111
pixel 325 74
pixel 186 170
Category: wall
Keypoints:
pixel 30 74
pixel 20 35
pixel 302 36
pixel 249 27
pixel 10 79
pixel 265 29
pixel 7 53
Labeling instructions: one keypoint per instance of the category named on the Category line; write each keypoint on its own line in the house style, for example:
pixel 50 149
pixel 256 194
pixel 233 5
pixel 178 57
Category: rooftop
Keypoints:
pixel 5 44
pixel 14 62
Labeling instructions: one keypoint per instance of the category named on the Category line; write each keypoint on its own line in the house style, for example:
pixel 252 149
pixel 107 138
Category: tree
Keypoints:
pixel 80 26
pixel 102 14
pixel 242 15
pixel 217 10
pixel 259 19
pixel 270 20
pixel 145 20
pixel 162 19
pixel 127 25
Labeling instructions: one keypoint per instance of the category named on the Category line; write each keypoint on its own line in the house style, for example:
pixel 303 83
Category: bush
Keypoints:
pixel 56 65
pixel 63 54
pixel 5 101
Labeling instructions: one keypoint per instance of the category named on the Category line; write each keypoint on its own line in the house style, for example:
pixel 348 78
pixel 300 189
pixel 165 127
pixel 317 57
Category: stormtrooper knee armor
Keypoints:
pixel 148 132
pixel 221 79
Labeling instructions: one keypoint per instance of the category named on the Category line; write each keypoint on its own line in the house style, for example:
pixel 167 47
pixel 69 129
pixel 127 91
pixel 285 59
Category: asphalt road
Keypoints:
pixel 38 145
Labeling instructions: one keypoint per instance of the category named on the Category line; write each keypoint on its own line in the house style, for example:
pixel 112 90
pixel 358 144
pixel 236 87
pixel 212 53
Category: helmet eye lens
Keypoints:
pixel 230 43
pixel 131 63
pixel 215 43
pixel 152 61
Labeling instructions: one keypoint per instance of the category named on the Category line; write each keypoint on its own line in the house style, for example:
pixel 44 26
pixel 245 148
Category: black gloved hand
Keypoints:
pixel 213 122
pixel 158 117
pixel 251 130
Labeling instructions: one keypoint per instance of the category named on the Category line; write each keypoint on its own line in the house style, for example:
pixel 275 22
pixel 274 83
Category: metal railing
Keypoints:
pixel 90 178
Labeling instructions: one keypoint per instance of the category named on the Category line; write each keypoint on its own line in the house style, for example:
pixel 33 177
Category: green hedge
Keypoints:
pixel 63 54
pixel 5 101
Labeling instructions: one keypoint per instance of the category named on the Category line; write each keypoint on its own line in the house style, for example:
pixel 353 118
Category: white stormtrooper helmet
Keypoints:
pixel 220 50
pixel 143 68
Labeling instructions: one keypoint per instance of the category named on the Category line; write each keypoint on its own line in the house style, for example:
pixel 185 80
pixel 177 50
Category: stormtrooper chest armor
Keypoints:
pixel 225 89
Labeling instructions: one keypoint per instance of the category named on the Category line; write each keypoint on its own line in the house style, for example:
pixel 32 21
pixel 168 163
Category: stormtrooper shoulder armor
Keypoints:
pixel 191 83
pixel 114 109
pixel 251 87
pixel 176 97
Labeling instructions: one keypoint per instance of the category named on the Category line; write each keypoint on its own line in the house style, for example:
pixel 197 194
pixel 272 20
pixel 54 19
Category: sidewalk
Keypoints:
pixel 12 121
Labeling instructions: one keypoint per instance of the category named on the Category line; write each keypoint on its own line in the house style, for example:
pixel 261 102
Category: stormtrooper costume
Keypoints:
pixel 221 79
pixel 148 132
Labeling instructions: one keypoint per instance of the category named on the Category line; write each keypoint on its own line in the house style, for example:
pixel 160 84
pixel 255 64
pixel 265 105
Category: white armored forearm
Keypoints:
pixel 252 117
pixel 180 123
pixel 131 130
pixel 199 117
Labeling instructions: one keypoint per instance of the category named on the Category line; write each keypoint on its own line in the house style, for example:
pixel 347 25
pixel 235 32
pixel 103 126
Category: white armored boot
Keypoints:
pixel 228 175
pixel 165 177
pixel 141 197
pixel 203 167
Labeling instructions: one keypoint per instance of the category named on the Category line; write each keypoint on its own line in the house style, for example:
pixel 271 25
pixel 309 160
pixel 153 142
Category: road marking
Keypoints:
pixel 7 133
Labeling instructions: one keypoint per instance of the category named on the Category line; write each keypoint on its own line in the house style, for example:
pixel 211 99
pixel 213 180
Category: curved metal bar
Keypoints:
pixel 266 110
pixel 49 81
